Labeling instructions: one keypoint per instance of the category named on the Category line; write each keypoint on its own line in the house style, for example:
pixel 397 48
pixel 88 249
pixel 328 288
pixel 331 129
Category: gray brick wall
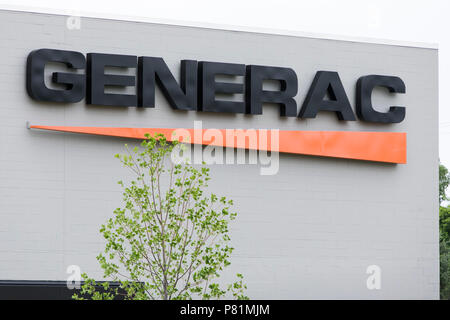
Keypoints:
pixel 308 232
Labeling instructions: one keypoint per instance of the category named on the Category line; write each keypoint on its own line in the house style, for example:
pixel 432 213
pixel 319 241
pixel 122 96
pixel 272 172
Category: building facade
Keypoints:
pixel 310 231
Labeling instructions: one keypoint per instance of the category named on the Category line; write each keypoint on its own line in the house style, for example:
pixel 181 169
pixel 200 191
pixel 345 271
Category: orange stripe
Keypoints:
pixel 371 146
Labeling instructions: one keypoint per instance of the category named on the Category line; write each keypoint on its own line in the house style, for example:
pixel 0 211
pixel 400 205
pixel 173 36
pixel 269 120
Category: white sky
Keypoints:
pixel 407 20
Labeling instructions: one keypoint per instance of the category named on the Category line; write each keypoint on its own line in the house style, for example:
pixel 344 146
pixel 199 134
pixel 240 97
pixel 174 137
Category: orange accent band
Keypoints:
pixel 372 146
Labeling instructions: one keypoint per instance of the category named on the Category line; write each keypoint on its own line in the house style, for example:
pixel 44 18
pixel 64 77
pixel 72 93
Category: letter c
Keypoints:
pixel 364 109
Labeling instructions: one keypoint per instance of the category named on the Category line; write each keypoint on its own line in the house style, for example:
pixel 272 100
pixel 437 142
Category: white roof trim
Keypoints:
pixel 218 26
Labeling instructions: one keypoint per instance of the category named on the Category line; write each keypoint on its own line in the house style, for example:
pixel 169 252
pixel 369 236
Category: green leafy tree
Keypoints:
pixel 169 240
pixel 444 232
pixel 444 222
pixel 444 180
pixel 444 251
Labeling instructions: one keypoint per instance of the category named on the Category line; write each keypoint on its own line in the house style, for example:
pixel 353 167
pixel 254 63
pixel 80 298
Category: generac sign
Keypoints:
pixel 197 89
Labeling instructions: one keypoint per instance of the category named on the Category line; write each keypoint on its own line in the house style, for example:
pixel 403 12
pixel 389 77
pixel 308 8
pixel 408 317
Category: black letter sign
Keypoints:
pixel 255 95
pixel 327 81
pixel 97 79
pixel 153 70
pixel 75 83
pixel 364 107
pixel 208 87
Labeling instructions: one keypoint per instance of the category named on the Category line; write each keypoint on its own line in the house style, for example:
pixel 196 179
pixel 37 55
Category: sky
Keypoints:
pixel 405 20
